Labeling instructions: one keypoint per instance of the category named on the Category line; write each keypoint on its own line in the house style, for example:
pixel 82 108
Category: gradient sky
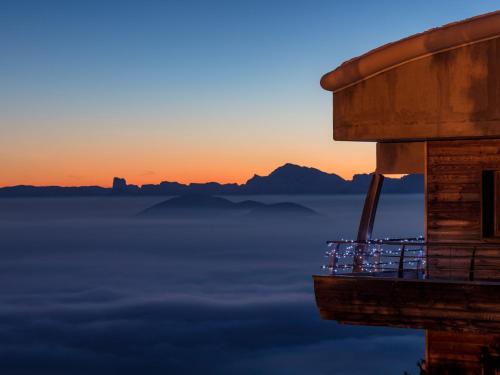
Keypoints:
pixel 190 91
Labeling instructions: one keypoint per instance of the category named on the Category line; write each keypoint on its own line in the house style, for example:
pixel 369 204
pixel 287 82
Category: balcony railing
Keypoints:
pixel 388 257
pixel 414 258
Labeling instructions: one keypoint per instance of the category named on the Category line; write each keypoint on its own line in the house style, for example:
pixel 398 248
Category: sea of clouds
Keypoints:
pixel 89 288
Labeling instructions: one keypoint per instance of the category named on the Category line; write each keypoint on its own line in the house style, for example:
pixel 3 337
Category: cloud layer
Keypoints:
pixel 91 290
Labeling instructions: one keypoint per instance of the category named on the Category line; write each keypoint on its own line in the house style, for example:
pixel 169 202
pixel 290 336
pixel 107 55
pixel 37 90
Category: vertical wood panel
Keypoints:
pixel 454 200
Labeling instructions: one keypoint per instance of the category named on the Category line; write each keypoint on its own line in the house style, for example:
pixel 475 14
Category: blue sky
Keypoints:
pixel 185 90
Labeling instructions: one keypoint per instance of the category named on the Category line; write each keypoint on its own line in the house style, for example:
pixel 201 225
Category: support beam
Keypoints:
pixel 367 219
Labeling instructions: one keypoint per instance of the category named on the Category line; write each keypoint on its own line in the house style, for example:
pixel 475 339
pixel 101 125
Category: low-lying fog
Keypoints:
pixel 89 288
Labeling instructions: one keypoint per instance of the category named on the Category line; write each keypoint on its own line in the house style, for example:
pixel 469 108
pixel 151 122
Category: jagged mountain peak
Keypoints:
pixel 294 168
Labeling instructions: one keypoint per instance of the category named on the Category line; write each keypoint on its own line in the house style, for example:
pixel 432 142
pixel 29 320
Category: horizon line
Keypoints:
pixel 395 176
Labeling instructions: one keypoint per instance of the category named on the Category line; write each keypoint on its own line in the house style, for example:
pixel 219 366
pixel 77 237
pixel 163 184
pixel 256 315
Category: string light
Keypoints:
pixel 375 255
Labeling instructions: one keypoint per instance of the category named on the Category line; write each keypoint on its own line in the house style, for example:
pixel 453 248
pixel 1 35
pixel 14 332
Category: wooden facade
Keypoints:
pixel 455 213
pixel 432 102
pixel 428 98
pixel 454 188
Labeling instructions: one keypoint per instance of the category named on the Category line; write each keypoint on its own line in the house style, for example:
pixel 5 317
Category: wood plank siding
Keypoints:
pixel 462 353
pixel 454 206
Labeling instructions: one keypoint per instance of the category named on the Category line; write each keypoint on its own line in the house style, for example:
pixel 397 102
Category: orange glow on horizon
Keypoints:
pixel 82 156
pixel 104 178
pixel 101 174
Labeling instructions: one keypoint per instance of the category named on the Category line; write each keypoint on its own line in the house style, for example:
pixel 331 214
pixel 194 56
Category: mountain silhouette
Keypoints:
pixel 287 179
pixel 293 179
pixel 206 204
pixel 193 202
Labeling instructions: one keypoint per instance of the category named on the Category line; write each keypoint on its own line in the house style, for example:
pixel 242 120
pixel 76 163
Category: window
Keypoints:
pixel 491 203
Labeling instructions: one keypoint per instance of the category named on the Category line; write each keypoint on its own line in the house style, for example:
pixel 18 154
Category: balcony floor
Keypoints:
pixel 364 299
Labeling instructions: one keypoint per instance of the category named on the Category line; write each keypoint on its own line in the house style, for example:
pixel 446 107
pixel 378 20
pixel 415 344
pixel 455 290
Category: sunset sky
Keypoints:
pixel 190 91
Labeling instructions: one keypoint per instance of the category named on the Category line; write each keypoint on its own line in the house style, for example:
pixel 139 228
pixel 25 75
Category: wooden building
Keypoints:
pixel 432 103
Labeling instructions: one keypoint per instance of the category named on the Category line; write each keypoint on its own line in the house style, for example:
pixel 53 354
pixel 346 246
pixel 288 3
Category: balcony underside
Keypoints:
pixel 421 304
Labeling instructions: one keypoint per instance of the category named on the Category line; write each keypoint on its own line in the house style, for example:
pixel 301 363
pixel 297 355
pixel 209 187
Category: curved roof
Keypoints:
pixel 452 35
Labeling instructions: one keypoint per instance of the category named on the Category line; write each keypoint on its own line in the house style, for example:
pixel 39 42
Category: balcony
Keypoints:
pixel 411 283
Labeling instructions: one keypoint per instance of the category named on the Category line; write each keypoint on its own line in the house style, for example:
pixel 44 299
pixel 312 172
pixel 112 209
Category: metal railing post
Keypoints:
pixel 426 270
pixel 422 263
pixel 401 262
pixel 378 254
pixel 332 261
pixel 419 263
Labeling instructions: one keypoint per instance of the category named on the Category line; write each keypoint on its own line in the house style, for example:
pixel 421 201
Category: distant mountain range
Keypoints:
pixel 287 179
